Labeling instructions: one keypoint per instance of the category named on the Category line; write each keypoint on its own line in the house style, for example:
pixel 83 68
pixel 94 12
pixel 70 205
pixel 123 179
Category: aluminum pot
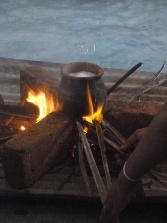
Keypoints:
pixel 72 91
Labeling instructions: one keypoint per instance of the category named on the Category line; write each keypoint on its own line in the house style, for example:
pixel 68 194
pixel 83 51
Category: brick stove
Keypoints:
pixel 63 181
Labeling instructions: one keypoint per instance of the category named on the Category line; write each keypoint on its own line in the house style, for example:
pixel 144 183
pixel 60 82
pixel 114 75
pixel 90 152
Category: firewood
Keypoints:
pixel 37 78
pixel 31 153
pixel 83 167
pixel 94 169
pixel 100 137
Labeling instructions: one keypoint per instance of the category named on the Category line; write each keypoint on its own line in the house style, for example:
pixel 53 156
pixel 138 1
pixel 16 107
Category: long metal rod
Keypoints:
pixel 92 164
pixel 100 137
pixel 132 70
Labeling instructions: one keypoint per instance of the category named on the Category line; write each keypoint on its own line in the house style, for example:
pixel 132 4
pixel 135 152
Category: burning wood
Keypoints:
pixel 92 163
pixel 100 137
pixel 82 166
pixel 33 152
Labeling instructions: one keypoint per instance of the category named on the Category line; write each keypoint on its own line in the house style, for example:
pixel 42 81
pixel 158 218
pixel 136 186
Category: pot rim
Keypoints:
pixel 82 66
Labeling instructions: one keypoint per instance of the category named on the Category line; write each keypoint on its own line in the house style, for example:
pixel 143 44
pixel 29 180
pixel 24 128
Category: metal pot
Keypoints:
pixel 73 87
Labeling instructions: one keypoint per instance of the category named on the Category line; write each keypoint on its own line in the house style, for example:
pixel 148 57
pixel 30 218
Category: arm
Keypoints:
pixel 151 150
pixel 130 144
pixel 152 147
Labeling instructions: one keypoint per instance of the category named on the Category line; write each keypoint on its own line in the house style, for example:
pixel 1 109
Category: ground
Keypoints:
pixel 44 211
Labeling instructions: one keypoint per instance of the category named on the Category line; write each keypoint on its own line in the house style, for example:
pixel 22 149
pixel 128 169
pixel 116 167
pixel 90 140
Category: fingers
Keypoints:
pixel 120 161
pixel 130 144
pixel 134 138
pixel 131 141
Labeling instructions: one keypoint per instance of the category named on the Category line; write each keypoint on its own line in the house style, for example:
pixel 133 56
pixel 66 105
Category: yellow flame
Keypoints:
pixel 44 103
pixel 93 115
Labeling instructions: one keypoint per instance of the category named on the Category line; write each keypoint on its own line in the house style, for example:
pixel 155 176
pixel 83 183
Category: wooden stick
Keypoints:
pixel 83 168
pixel 112 137
pixel 116 148
pixel 133 69
pixel 92 163
pixel 114 131
pixel 9 120
pixel 67 179
pixel 4 139
pixel 16 115
pixel 100 137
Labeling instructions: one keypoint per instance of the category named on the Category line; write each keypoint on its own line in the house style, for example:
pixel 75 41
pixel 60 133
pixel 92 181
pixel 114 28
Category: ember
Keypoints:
pixel 22 128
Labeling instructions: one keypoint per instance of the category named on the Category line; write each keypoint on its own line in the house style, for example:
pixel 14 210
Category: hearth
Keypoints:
pixel 114 112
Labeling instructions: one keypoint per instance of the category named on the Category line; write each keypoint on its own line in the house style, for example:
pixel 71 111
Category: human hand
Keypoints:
pixel 130 144
pixel 118 197
pixel 134 139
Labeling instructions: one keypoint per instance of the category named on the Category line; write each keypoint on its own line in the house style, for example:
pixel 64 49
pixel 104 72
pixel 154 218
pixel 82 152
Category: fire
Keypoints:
pixel 22 128
pixel 45 103
pixel 93 115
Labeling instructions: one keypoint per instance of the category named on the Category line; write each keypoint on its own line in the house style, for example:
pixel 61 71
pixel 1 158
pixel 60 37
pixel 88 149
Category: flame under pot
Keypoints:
pixel 73 93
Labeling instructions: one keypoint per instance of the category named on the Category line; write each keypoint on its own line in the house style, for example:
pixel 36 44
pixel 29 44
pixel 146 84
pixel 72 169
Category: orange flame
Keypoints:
pixel 93 115
pixel 44 103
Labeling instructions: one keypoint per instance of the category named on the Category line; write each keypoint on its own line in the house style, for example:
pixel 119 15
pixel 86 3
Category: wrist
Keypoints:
pixel 126 180
pixel 127 176
pixel 125 183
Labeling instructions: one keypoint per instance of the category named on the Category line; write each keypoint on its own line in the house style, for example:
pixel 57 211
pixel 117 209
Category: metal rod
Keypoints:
pixel 133 69
pixel 83 168
pixel 100 137
pixel 92 163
